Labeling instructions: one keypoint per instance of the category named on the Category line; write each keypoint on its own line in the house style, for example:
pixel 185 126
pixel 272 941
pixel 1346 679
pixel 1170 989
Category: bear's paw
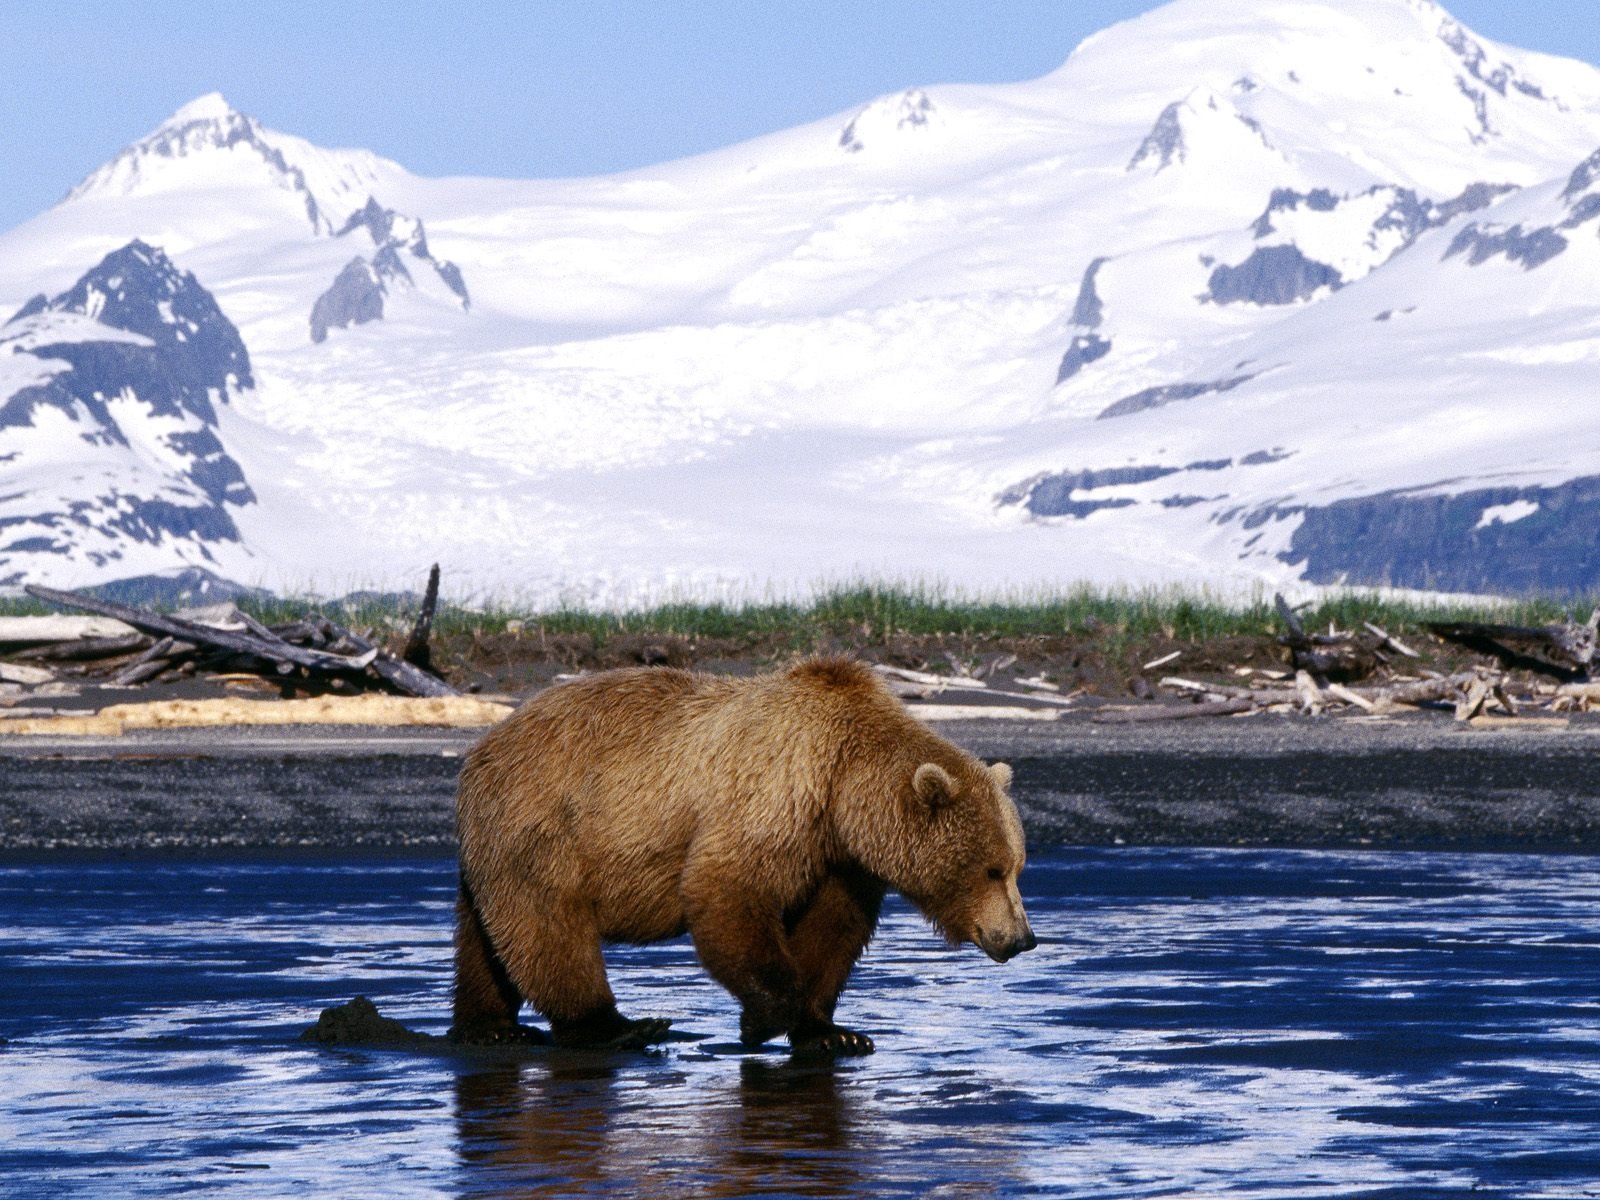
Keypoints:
pixel 834 1041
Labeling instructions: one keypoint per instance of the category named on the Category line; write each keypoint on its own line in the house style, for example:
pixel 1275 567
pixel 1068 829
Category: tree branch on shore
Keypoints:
pixel 313 653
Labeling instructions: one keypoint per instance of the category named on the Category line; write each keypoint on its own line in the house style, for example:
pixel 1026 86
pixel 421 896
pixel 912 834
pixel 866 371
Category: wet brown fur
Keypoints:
pixel 764 816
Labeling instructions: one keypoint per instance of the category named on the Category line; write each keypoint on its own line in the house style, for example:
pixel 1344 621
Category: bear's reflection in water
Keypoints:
pixel 572 1127
pixel 567 1126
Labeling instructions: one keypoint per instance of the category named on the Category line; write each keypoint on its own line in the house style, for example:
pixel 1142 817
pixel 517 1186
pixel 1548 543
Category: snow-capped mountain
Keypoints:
pixel 231 150
pixel 109 428
pixel 1246 291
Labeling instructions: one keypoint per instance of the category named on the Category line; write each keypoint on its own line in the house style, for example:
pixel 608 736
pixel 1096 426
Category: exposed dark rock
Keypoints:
pixel 1087 313
pixel 1475 60
pixel 355 298
pixel 1164 141
pixel 1472 198
pixel 1051 495
pixel 1272 275
pixel 386 265
pixel 1260 458
pixel 914 110
pixel 451 274
pixel 1085 349
pixel 1063 494
pixel 1054 494
pixel 1088 310
pixel 150 520
pixel 1287 200
pixel 357 293
pixel 1582 178
pixel 374 218
pixel 1532 248
pixel 1445 543
pixel 1583 211
pixel 1409 214
pixel 1480 107
pixel 1155 397
pixel 36 305
pixel 138 289
pixel 1060 507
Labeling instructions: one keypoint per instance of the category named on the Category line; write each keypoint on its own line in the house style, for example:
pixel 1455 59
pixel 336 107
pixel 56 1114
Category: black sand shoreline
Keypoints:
pixel 1419 782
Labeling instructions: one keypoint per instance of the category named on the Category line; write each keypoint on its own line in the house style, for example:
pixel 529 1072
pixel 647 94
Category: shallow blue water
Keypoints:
pixel 1194 1023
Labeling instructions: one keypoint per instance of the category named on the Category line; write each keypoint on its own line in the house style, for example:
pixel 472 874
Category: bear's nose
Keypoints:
pixel 1003 951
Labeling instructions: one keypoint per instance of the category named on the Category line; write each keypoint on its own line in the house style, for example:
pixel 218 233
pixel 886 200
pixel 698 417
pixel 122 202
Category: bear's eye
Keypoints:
pixel 996 874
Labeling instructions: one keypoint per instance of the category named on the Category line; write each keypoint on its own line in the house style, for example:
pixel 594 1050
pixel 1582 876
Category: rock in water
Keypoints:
pixel 359 1023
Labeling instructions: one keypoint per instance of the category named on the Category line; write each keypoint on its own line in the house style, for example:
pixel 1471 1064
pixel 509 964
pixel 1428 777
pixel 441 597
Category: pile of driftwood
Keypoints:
pixel 126 646
pixel 1324 670
pixel 965 695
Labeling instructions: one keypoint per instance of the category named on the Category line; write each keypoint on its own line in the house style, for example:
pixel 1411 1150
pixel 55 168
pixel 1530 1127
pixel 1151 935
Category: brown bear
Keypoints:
pixel 764 816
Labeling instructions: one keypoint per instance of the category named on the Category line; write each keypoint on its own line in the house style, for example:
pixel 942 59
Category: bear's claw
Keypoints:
pixel 645 1032
pixel 837 1042
pixel 498 1035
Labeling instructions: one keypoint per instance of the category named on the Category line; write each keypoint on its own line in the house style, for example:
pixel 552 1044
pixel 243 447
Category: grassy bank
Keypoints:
pixel 872 612
pixel 1105 642
pixel 877 613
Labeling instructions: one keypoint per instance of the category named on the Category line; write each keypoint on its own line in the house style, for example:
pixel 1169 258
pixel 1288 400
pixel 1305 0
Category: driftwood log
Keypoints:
pixel 1566 651
pixel 405 677
pixel 1174 712
pixel 255 641
pixel 1341 657
pixel 84 649
pixel 417 652
pixel 1468 691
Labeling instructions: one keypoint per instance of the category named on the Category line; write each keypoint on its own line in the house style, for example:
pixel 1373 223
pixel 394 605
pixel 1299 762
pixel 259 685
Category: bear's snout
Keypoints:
pixel 1003 948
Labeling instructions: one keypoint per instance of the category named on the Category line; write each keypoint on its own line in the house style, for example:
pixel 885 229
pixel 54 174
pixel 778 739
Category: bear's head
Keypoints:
pixel 961 854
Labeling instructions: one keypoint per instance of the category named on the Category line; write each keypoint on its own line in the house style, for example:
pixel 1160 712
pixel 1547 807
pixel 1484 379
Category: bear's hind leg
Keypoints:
pixel 485 1001
pixel 554 960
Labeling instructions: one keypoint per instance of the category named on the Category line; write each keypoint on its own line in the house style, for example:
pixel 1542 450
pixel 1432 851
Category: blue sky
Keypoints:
pixel 535 89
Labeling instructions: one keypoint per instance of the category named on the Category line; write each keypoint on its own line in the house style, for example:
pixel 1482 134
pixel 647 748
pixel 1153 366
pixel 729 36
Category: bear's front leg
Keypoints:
pixel 826 1040
pixel 745 948
pixel 826 937
pixel 811 1033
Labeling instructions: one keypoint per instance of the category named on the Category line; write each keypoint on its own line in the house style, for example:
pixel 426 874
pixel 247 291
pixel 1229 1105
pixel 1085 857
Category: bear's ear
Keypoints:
pixel 933 785
pixel 1002 775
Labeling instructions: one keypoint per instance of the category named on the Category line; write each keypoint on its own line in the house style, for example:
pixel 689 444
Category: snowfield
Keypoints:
pixel 1245 294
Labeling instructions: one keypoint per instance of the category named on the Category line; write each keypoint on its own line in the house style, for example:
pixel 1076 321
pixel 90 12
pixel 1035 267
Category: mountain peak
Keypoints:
pixel 888 117
pixel 139 290
pixel 1202 120
pixel 210 107
pixel 208 139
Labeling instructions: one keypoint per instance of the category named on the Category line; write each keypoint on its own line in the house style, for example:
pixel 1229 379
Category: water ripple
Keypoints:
pixel 1194 1023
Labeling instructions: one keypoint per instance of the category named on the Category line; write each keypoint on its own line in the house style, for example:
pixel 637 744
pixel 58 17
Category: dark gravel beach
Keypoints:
pixel 1412 782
